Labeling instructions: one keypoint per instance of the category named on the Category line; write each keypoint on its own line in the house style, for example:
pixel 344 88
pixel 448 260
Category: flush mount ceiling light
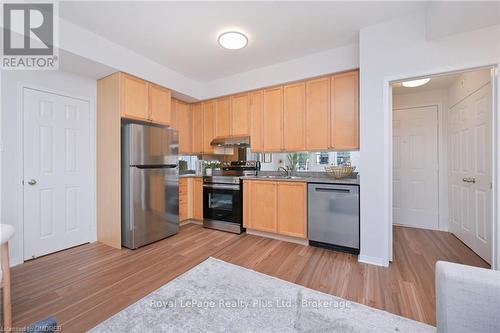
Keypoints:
pixel 233 40
pixel 415 83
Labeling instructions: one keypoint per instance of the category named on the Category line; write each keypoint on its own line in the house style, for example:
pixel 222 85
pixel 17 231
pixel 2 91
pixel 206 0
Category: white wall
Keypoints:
pixel 389 51
pixel 331 61
pixel 84 43
pixel 76 40
pixel 466 84
pixel 438 97
pixel 11 131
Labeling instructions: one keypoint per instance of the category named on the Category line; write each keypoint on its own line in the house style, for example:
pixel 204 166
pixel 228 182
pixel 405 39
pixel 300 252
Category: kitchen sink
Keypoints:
pixel 280 177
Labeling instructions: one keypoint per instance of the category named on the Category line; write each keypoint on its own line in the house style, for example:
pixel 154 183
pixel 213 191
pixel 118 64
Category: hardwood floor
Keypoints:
pixel 85 285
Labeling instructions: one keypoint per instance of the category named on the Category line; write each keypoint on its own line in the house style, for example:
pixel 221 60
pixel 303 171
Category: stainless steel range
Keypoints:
pixel 223 196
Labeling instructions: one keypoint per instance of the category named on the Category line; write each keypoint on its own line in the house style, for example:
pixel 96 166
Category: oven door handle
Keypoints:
pixel 222 187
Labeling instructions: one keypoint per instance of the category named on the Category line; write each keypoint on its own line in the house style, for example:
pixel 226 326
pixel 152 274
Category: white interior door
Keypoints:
pixel 415 167
pixel 57 172
pixel 470 172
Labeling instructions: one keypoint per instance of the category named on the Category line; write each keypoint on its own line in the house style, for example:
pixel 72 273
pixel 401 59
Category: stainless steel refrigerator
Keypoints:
pixel 150 184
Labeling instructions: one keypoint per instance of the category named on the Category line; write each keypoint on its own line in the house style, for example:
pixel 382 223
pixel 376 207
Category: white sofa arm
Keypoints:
pixel 467 298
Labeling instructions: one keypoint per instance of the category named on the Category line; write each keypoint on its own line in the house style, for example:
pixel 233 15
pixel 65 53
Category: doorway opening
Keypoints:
pixel 442 170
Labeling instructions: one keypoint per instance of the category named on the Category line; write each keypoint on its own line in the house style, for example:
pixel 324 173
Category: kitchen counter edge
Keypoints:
pixel 346 181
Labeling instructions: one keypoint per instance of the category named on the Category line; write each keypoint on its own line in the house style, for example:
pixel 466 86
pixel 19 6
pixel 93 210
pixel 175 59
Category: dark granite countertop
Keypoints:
pixel 322 180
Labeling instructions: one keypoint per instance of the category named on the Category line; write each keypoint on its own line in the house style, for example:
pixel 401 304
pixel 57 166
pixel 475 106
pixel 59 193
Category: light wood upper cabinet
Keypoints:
pixel 240 115
pixel 294 116
pixel 141 100
pixel 184 120
pixel 273 119
pixel 318 114
pixel 160 104
pixel 292 209
pixel 256 120
pixel 314 115
pixel 197 191
pixel 197 128
pixel 134 97
pixel 223 117
pixel 345 111
pixel 209 119
pixel 173 114
pixel 259 205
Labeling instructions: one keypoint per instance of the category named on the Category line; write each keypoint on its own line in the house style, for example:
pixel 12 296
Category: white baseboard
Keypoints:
pixel 373 260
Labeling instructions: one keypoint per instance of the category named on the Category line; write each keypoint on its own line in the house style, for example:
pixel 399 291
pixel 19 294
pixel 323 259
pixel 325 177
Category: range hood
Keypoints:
pixel 231 141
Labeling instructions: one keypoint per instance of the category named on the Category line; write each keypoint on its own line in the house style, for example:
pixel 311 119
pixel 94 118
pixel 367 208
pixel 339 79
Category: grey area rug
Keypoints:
pixel 216 296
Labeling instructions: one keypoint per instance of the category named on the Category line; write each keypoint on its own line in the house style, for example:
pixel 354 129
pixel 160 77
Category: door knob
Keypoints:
pixel 472 180
pixel 32 182
pixel 465 180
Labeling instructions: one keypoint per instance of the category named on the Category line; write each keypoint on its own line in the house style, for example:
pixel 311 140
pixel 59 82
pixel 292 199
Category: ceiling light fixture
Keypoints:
pixel 415 83
pixel 233 40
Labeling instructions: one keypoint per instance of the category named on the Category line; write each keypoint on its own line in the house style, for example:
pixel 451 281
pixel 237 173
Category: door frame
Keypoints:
pixel 92 235
pixel 493 64
pixel 442 160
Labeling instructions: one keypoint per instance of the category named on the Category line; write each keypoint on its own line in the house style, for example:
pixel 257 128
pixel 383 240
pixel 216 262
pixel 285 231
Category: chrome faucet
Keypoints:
pixel 287 173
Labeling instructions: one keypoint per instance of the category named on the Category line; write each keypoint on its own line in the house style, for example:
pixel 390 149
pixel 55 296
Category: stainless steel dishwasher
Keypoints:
pixel 333 216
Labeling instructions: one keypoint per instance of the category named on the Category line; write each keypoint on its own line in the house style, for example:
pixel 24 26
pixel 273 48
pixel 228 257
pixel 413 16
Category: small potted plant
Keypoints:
pixel 210 166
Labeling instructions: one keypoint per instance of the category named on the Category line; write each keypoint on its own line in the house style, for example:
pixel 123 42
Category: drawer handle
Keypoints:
pixel 323 189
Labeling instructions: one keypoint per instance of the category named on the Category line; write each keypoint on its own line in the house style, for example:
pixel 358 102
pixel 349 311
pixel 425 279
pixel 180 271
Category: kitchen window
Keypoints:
pixel 310 161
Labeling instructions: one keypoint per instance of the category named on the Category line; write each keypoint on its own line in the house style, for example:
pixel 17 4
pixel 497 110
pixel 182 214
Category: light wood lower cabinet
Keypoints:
pixel 259 205
pixel 292 209
pixel 184 202
pixel 197 190
pixel 190 198
pixel 275 207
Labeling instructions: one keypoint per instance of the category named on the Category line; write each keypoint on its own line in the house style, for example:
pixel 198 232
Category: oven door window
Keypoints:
pixel 220 201
pixel 222 205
